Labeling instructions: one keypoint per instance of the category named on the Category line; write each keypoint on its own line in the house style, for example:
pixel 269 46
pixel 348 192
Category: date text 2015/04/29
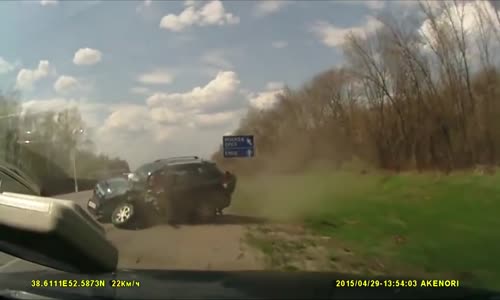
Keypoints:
pixel 398 283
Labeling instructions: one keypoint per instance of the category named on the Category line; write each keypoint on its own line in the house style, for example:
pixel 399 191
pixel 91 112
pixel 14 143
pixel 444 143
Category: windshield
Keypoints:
pixel 145 170
pixel 360 137
pixel 114 185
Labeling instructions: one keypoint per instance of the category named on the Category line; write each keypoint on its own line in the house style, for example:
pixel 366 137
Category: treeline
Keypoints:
pixel 49 146
pixel 406 99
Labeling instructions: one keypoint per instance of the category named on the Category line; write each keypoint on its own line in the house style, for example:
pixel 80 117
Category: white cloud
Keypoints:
pixel 133 126
pixel 93 113
pixel 48 2
pixel 169 116
pixel 162 142
pixel 220 90
pixel 210 14
pixel 168 123
pixel 189 3
pixel 275 85
pixel 117 129
pixel 143 5
pixel 266 99
pixel 26 77
pixel 87 56
pixel 405 3
pixel 216 119
pixel 466 13
pixel 167 128
pixel 217 58
pixel 135 118
pixel 35 106
pixel 267 7
pixel 140 90
pixel 65 84
pixel 172 124
pixel 333 36
pixel 194 111
pixel 375 4
pixel 5 66
pixel 371 4
pixel 156 77
pixel 279 44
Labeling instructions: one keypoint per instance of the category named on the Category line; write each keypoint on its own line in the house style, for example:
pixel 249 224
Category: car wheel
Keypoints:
pixel 122 214
pixel 205 211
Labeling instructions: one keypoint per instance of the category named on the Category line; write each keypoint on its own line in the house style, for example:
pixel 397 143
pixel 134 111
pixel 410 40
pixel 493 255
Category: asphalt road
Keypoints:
pixel 218 246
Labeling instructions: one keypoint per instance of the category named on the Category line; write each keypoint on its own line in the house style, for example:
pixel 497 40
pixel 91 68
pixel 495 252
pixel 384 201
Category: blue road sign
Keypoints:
pixel 238 146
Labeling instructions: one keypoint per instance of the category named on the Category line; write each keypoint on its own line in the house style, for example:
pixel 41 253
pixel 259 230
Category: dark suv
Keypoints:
pixel 178 188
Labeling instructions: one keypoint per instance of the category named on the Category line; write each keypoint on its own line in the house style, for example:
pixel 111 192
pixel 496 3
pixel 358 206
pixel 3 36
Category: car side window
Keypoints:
pixel 10 184
pixel 193 171
pixel 187 170
pixel 175 175
pixel 210 170
pixel 186 174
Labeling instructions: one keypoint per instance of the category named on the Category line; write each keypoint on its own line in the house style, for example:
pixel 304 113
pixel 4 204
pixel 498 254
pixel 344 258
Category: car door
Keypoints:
pixel 185 179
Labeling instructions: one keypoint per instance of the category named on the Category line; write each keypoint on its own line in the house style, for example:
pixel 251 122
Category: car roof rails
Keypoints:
pixel 177 158
pixel 181 158
pixel 184 157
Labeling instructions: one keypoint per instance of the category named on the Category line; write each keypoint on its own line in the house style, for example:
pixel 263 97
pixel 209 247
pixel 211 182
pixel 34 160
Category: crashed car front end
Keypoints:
pixel 106 194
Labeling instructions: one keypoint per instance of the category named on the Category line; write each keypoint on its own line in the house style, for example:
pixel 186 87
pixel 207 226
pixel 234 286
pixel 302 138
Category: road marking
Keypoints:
pixel 8 264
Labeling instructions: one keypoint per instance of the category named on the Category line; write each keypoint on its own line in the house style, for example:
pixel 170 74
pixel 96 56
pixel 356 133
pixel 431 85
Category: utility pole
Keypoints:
pixel 77 132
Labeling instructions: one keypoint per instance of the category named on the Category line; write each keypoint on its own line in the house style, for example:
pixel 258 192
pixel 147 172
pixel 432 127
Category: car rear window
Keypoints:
pixel 206 168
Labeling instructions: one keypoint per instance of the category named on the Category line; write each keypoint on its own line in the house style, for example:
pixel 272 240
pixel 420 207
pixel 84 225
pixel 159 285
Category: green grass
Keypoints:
pixel 447 224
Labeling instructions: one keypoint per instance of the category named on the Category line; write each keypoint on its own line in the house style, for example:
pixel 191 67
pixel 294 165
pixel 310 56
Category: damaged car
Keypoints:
pixel 177 189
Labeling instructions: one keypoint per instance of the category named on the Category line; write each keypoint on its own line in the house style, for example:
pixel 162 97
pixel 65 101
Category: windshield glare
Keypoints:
pixel 146 170
pixel 359 137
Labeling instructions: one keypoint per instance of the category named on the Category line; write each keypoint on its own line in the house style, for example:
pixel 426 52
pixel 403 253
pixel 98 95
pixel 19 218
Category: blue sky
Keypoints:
pixel 160 78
